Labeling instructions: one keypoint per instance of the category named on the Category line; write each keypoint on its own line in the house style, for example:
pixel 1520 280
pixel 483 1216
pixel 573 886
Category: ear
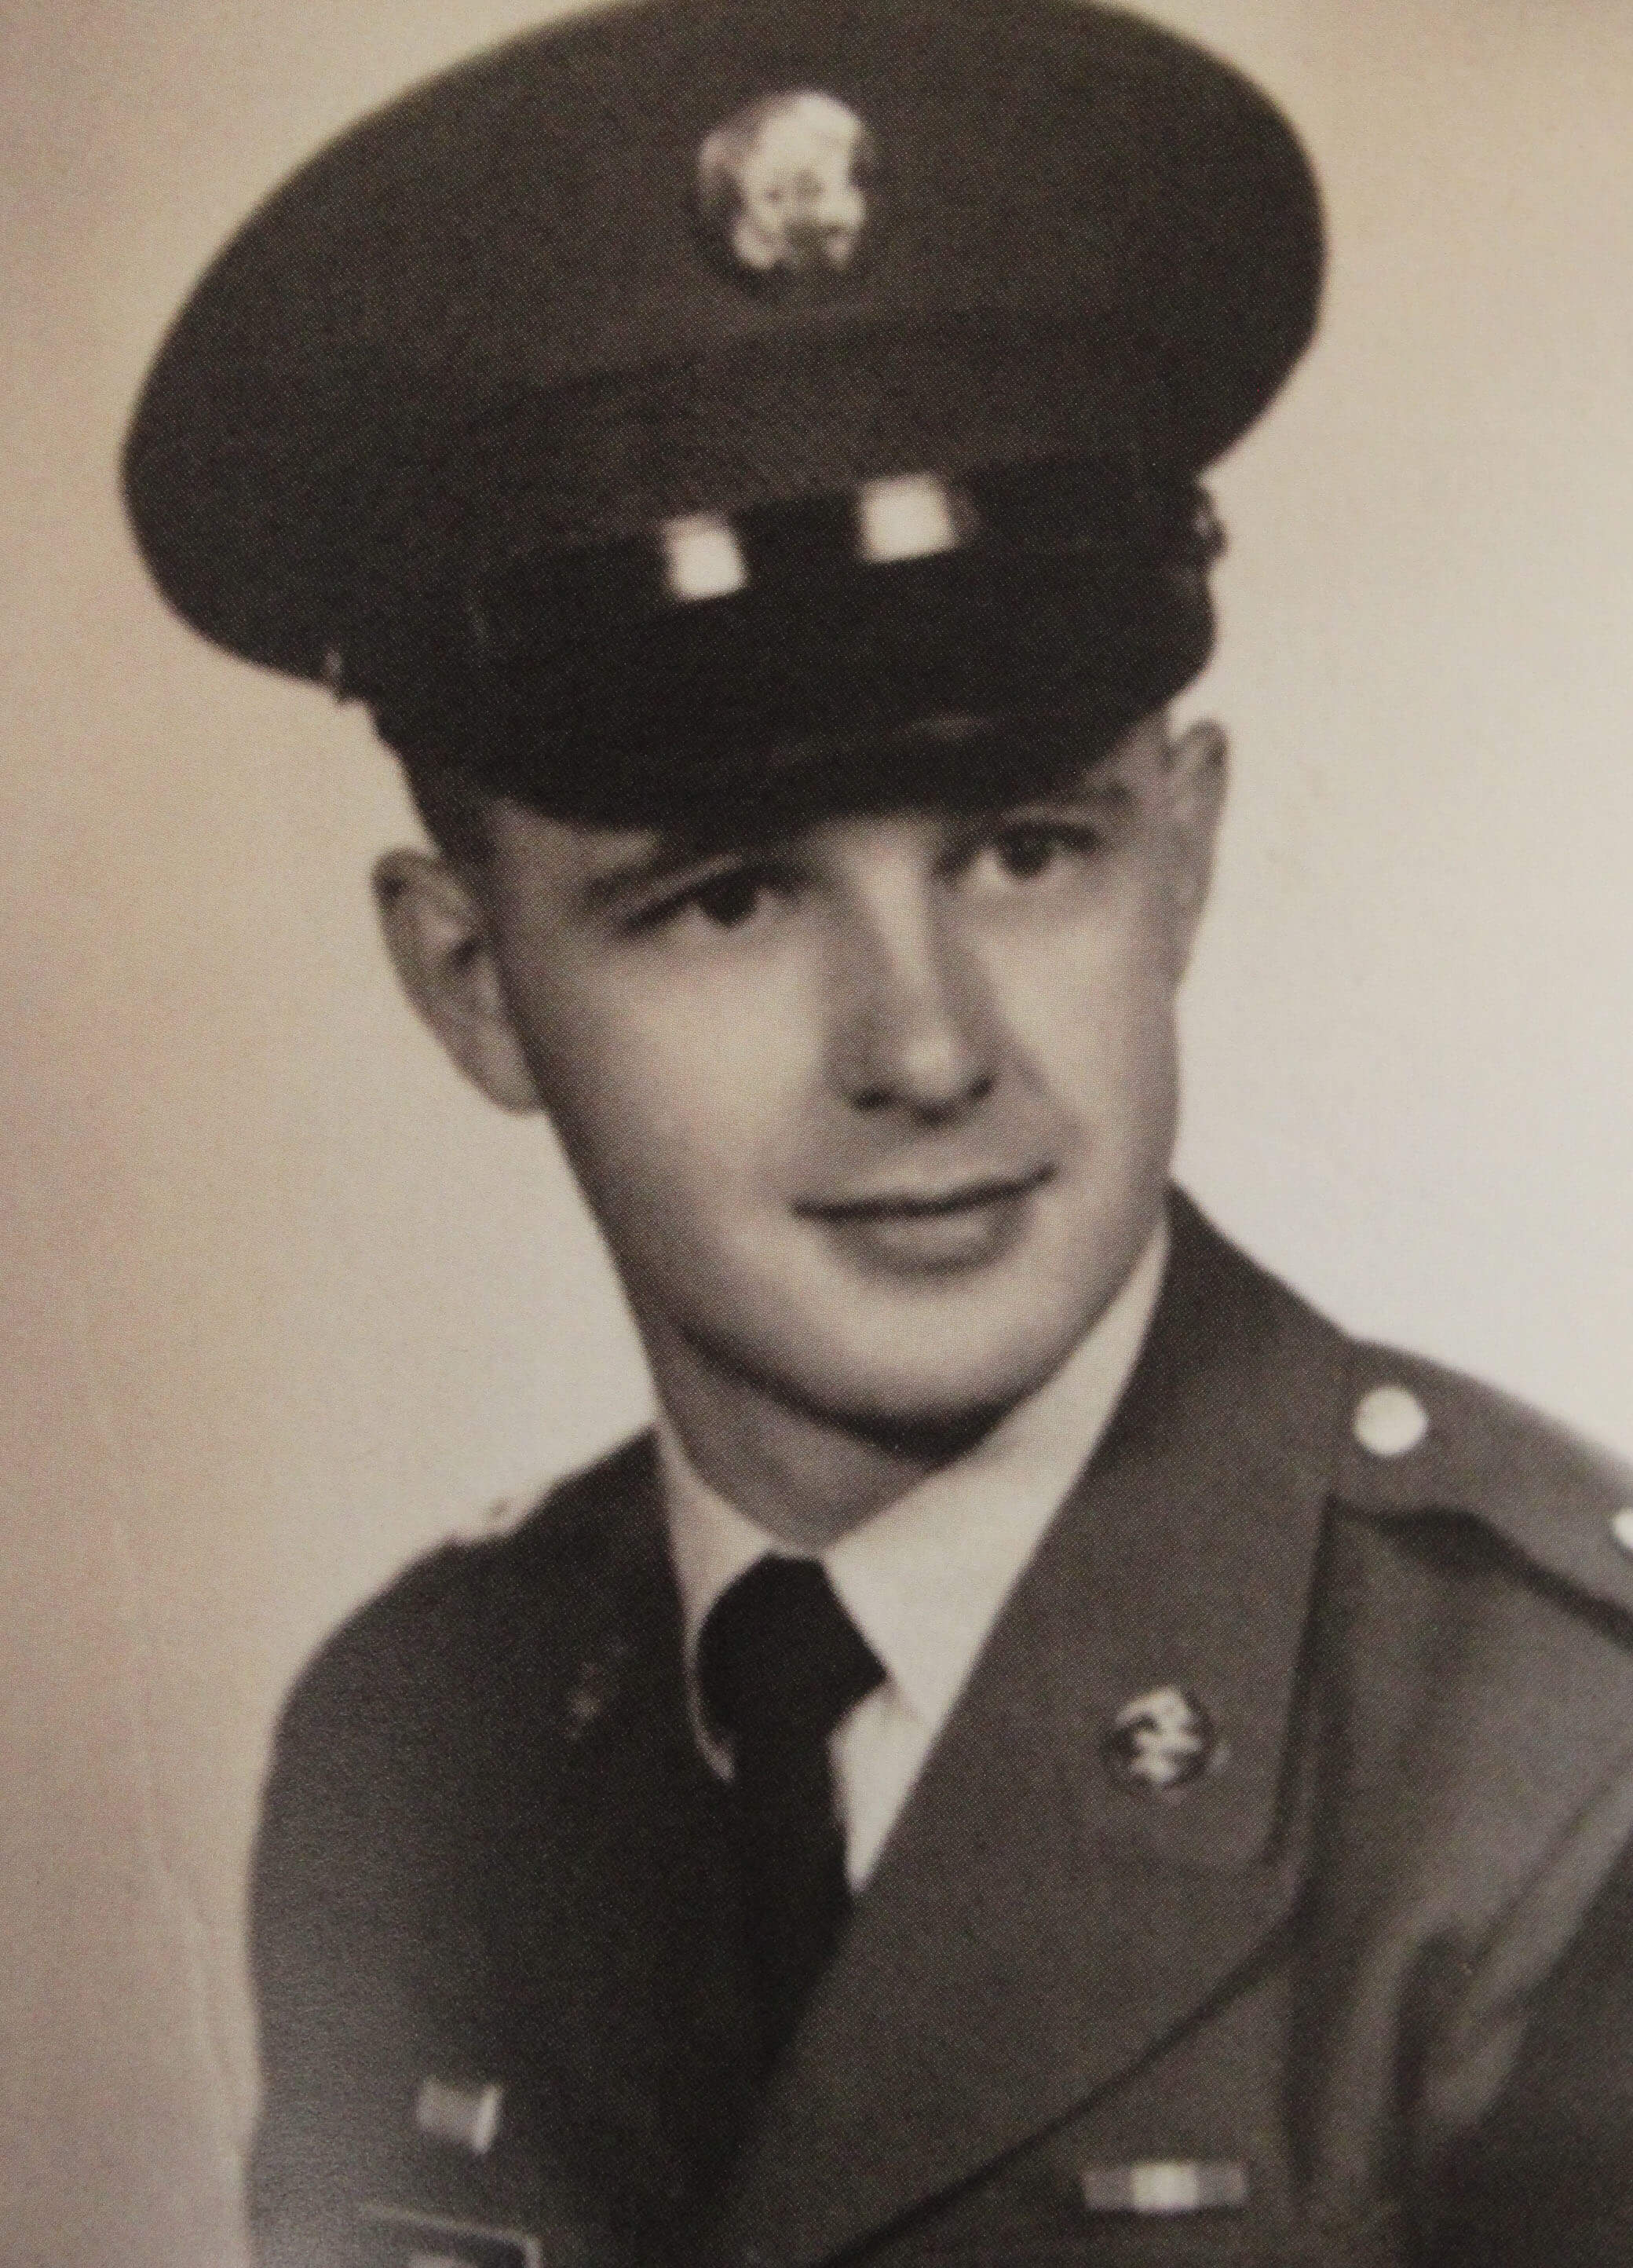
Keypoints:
pixel 436 934
pixel 1198 768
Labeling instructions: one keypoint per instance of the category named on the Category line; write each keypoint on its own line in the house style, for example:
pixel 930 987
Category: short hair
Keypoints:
pixel 454 805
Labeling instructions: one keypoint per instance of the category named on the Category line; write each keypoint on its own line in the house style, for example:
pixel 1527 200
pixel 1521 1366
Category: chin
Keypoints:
pixel 927 1374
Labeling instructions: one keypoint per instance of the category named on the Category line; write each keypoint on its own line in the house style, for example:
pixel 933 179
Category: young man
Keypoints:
pixel 1049 1752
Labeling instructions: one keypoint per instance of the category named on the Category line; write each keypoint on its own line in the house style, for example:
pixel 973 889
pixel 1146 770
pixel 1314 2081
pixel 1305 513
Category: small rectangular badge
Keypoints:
pixel 400 2238
pixel 466 2115
pixel 1166 2185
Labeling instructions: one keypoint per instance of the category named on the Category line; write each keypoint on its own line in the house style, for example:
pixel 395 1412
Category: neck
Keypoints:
pixel 805 1477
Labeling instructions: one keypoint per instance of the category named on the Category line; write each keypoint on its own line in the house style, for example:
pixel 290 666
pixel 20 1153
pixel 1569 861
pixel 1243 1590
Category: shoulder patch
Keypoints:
pixel 1421 1439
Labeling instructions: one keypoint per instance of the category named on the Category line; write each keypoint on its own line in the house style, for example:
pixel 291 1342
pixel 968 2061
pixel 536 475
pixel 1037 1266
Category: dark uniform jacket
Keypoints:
pixel 1355 1995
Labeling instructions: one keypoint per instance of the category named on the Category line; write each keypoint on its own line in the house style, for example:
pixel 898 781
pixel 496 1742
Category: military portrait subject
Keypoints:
pixel 1048 1748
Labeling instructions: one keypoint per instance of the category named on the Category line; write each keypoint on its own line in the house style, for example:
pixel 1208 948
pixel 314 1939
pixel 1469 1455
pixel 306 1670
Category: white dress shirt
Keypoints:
pixel 925 1578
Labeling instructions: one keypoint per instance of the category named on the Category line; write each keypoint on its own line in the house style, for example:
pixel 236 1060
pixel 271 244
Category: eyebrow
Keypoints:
pixel 1107 798
pixel 641 870
pixel 675 853
pixel 1109 789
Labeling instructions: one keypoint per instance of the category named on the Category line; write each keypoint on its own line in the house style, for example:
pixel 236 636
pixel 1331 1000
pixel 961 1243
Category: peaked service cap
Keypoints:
pixel 690 391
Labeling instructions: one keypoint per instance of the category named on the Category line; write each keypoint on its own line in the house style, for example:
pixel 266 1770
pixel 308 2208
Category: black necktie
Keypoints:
pixel 779 1663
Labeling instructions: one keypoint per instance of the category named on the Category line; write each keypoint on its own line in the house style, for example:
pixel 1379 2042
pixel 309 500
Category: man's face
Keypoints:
pixel 875 1118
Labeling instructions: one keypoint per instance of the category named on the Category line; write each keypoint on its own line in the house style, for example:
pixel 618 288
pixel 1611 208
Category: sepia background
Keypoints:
pixel 282 1303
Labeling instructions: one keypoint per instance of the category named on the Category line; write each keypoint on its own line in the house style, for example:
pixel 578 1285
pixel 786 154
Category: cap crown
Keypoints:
pixel 505 317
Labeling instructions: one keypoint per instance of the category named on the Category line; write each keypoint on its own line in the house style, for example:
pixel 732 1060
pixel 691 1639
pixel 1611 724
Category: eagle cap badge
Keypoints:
pixel 784 187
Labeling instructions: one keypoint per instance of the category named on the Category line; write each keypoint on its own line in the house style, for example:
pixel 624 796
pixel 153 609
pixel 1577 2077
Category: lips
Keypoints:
pixel 913 1204
pixel 917 1232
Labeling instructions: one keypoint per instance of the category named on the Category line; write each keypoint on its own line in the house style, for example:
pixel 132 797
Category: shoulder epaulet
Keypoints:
pixel 1423 1440
pixel 554 1565
pixel 563 1503
pixel 506 1513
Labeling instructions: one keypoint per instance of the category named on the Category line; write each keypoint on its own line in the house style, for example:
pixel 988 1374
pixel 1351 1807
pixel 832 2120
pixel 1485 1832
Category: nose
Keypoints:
pixel 914 1028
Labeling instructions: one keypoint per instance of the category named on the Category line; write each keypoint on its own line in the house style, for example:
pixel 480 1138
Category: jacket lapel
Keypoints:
pixel 1035 1928
pixel 613 1917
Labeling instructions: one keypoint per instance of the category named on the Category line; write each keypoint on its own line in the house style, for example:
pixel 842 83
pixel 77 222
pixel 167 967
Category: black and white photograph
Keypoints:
pixel 818 1127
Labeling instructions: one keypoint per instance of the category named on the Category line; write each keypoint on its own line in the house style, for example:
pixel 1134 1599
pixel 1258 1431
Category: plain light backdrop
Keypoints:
pixel 283 1303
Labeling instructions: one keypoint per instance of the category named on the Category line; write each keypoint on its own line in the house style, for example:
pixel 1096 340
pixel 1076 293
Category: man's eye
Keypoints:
pixel 724 901
pixel 730 900
pixel 1024 852
pixel 1028 850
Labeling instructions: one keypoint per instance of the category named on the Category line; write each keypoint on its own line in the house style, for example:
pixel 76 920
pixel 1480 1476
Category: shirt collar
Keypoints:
pixel 925 1578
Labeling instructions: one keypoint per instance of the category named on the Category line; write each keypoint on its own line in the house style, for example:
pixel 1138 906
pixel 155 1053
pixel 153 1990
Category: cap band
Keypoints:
pixel 617 684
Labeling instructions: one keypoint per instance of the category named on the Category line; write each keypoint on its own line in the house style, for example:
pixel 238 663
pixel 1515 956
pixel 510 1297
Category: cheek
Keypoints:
pixel 1091 1009
pixel 670 1104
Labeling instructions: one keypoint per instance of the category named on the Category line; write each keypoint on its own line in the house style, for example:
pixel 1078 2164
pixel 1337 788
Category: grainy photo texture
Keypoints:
pixel 967 659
